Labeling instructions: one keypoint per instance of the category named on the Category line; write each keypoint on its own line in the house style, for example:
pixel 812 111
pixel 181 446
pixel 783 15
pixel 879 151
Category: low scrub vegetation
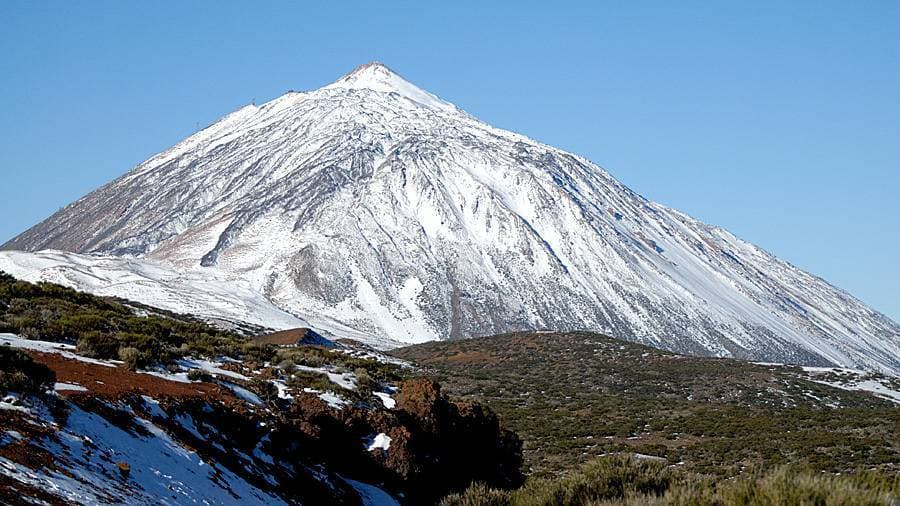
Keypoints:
pixel 20 374
pixel 310 379
pixel 318 356
pixel 628 481
pixel 437 445
pixel 107 329
pixel 574 396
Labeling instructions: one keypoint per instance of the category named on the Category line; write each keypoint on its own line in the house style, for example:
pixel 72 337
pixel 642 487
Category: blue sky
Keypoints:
pixel 778 120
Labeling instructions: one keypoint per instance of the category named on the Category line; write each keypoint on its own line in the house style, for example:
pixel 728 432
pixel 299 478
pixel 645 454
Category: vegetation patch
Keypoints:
pixel 20 374
pixel 108 329
pixel 319 356
pixel 572 397
pixel 438 445
pixel 628 481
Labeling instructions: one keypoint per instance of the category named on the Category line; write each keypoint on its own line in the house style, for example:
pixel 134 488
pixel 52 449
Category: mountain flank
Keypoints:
pixel 575 396
pixel 372 209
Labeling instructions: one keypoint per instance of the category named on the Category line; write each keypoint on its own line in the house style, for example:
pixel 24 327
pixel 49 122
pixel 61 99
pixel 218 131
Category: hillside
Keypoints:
pixel 371 209
pixel 575 396
pixel 102 401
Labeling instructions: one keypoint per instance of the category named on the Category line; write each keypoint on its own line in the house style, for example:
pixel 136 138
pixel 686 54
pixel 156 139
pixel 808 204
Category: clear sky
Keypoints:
pixel 779 121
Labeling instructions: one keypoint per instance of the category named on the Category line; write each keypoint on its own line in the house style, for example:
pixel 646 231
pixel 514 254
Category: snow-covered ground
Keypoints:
pixel 346 381
pixel 89 451
pixel 162 471
pixel 66 350
pixel 386 399
pixel 380 442
pixel 853 379
pixel 203 294
pixel 68 387
pixel 371 495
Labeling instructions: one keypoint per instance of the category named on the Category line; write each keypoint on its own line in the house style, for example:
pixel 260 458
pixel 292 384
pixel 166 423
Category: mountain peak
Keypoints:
pixel 380 213
pixel 372 71
pixel 377 76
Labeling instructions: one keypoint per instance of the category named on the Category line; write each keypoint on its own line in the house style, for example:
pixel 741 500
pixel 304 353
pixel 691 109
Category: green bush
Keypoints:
pixel 80 323
pixel 573 396
pixel 98 345
pixel 247 350
pixel 603 479
pixel 310 379
pixel 199 375
pixel 786 486
pixel 152 350
pixel 19 373
pixel 316 356
pixel 264 389
pixel 102 326
pixel 303 355
pixel 203 345
pixel 132 357
pixel 364 383
pixel 624 480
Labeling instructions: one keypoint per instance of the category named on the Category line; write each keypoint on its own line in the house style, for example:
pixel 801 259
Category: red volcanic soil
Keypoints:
pixel 113 382
pixel 290 337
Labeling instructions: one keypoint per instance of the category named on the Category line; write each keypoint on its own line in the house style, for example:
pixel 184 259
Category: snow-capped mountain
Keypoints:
pixel 374 205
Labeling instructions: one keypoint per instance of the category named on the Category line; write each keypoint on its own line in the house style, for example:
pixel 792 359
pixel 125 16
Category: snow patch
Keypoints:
pixel 66 350
pixel 386 399
pixel 380 442
pixel 68 387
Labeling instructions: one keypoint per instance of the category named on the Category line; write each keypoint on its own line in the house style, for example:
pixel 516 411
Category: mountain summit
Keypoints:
pixel 373 206
pixel 376 76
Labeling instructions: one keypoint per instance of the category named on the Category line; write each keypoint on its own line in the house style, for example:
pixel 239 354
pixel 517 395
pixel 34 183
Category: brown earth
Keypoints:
pixel 114 382
pixel 291 337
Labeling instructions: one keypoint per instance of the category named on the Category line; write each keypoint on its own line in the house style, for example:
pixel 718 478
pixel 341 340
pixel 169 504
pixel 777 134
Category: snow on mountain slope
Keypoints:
pixel 151 283
pixel 205 293
pixel 373 205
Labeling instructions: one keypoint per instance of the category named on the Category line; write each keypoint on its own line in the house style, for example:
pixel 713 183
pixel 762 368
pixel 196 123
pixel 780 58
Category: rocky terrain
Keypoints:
pixel 105 403
pixel 109 401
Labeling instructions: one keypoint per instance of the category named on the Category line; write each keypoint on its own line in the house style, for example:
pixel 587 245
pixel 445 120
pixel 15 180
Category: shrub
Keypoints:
pixel 265 390
pixel 102 326
pixel 19 373
pixel 623 480
pixel 98 345
pixel 364 383
pixel 787 486
pixel 199 375
pixel 202 345
pixel 478 494
pixel 132 357
pixel 247 350
pixel 152 350
pixel 601 480
pixel 315 356
pixel 78 324
pixel 310 379
pixel 303 355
